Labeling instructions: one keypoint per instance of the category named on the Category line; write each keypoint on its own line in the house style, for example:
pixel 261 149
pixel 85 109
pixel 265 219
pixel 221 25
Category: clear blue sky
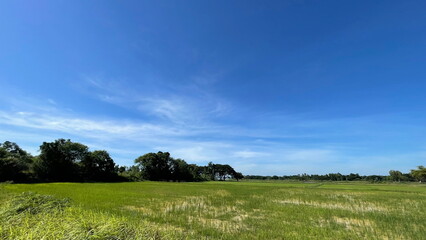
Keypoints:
pixel 269 87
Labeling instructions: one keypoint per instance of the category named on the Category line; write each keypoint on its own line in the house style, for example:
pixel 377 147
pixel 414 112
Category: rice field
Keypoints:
pixel 219 210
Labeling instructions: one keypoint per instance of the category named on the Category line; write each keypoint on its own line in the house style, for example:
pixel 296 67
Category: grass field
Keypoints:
pixel 219 210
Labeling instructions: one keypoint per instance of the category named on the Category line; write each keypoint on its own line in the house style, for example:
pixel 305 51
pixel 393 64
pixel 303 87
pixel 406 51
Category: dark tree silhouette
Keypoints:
pixel 155 166
pixel 14 162
pixel 58 160
pixel 64 160
pixel 180 170
pixel 98 166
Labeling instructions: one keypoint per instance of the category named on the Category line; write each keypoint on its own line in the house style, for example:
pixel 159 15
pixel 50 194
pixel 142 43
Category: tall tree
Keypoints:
pixel 419 174
pixel 180 170
pixel 58 160
pixel 238 176
pixel 222 172
pixel 155 166
pixel 14 162
pixel 396 175
pixel 132 173
pixel 98 166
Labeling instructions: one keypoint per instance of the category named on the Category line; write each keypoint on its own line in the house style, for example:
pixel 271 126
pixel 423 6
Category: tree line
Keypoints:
pixel 67 161
pixel 418 174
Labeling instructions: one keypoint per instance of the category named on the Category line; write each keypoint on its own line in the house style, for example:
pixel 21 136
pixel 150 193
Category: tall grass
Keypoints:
pixel 34 216
pixel 220 210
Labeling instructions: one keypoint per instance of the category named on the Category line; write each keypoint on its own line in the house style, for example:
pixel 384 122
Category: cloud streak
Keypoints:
pixel 285 145
pixel 181 142
pixel 164 103
pixel 85 127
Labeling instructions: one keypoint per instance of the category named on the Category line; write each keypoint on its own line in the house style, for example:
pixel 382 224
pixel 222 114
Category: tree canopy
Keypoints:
pixel 98 166
pixel 64 160
pixel 162 167
pixel 14 162
pixel 419 174
pixel 58 160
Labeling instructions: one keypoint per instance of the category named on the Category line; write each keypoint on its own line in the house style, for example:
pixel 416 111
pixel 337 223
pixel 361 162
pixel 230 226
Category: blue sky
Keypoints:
pixel 269 87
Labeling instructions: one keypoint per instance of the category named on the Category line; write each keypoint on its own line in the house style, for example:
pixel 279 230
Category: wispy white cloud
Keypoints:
pixel 86 127
pixel 126 141
pixel 283 145
pixel 174 110
pixel 142 136
pixel 164 103
pixel 202 151
pixel 249 154
pixel 51 101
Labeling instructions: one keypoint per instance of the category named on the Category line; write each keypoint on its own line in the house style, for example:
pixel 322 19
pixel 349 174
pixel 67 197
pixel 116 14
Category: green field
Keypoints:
pixel 220 210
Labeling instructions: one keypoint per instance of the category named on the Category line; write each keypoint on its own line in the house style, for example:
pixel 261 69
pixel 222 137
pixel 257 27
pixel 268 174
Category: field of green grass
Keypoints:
pixel 215 210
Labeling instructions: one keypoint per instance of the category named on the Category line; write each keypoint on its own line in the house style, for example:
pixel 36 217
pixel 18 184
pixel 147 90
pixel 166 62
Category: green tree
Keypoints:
pixel 59 160
pixel 98 166
pixel 132 173
pixel 238 176
pixel 180 170
pixel 209 171
pixel 223 171
pixel 161 167
pixel 155 166
pixel 14 162
pixel 335 176
pixel 395 175
pixel 353 177
pixel 419 174
pixel 197 172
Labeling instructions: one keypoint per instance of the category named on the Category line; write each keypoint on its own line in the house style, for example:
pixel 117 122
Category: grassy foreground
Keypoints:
pixel 213 210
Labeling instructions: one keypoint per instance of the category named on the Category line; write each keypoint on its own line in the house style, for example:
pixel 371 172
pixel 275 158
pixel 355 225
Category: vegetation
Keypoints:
pixel 419 174
pixel 394 176
pixel 67 161
pixel 213 210
pixel 197 210
pixel 33 216
pixel 14 162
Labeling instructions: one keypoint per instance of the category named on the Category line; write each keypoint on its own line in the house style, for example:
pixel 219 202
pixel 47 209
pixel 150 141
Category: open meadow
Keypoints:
pixel 213 210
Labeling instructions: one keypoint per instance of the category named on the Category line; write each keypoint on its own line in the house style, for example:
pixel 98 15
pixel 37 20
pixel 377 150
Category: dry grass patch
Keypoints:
pixel 351 223
pixel 355 207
